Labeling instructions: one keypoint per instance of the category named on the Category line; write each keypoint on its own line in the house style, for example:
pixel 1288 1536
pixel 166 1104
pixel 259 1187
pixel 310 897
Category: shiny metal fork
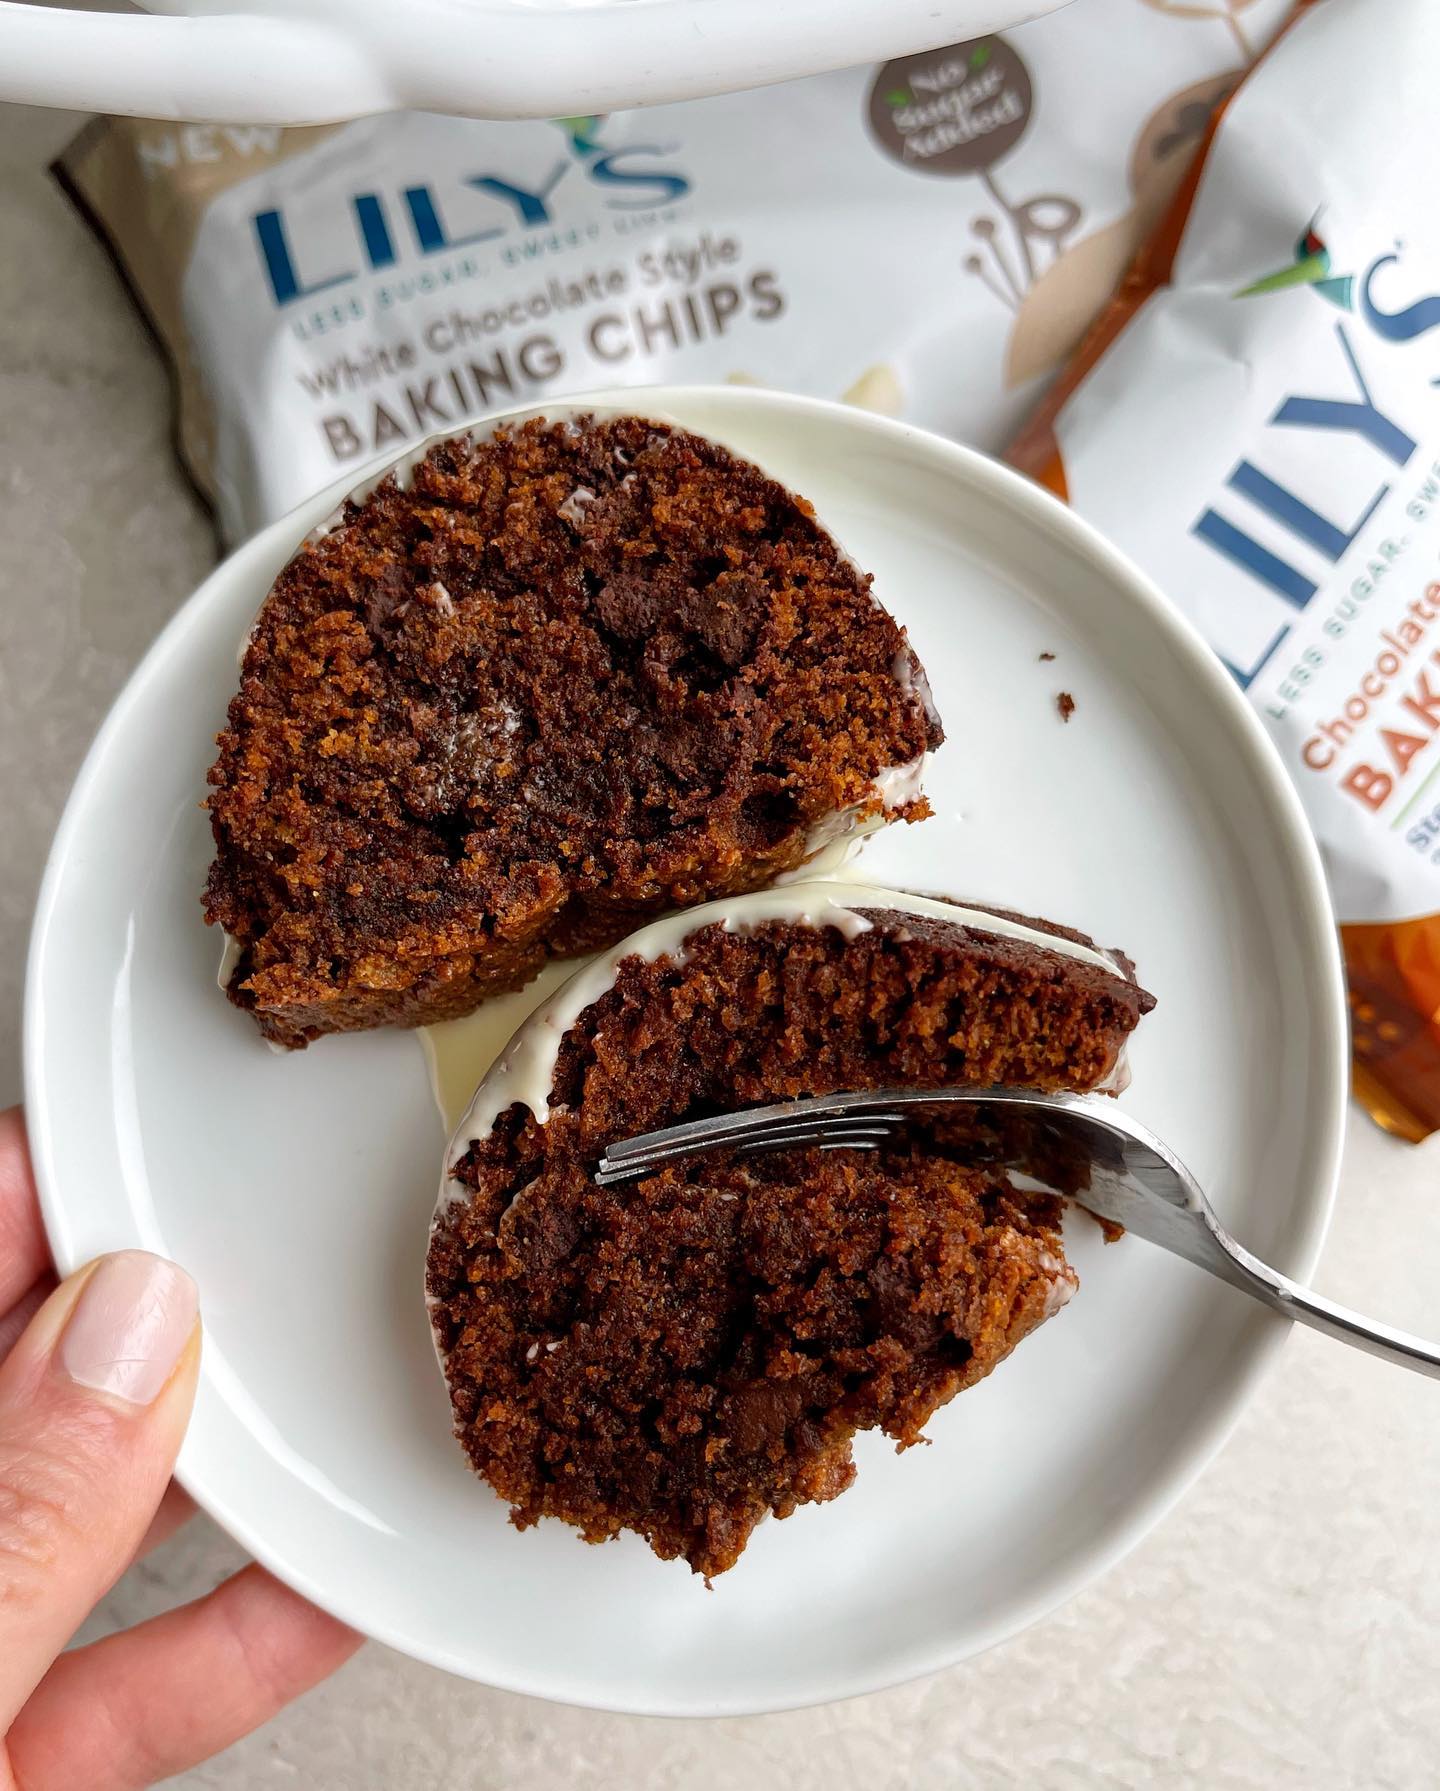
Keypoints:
pixel 1081 1146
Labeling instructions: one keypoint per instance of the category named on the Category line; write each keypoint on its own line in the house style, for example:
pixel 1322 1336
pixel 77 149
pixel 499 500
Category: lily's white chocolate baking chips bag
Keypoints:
pixel 929 238
pixel 1256 419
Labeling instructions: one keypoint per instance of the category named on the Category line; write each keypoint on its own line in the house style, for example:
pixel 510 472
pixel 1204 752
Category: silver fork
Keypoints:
pixel 1082 1146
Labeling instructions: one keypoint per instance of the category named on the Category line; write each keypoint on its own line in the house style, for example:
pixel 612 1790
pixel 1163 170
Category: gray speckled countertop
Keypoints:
pixel 1281 1629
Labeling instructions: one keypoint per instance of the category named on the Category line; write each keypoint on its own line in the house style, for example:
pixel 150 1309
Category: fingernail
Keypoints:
pixel 130 1326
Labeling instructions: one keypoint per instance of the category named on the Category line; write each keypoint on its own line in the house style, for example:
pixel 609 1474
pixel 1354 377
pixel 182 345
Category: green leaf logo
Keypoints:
pixel 980 55
pixel 897 96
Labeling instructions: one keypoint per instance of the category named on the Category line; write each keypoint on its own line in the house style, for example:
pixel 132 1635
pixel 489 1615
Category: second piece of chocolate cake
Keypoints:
pixel 683 1354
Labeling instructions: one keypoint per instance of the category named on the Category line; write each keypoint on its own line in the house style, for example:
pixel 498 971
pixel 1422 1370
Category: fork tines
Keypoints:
pixel 849 1123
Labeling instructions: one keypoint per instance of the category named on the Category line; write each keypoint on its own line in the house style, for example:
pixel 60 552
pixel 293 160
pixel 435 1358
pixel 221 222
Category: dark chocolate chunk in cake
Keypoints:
pixel 543 687
pixel 681 1355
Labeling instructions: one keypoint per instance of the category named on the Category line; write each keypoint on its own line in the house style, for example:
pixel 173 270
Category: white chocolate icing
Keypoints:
pixel 230 953
pixel 578 502
pixel 459 1052
pixel 1063 1281
pixel 525 1072
pixel 830 850
pixel 836 838
pixel 830 844
pixel 900 784
pixel 229 958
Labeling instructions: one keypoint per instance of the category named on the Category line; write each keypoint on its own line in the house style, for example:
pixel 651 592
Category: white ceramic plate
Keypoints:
pixel 299 1189
pixel 313 61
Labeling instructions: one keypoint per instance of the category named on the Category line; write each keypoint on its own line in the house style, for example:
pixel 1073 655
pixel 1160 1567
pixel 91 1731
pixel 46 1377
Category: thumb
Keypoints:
pixel 94 1398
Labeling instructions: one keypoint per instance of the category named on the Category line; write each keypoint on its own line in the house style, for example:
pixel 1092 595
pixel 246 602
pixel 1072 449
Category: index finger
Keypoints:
pixel 24 1254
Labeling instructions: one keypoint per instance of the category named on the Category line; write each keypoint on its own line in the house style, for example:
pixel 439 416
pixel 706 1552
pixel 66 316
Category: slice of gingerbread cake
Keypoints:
pixel 534 689
pixel 684 1354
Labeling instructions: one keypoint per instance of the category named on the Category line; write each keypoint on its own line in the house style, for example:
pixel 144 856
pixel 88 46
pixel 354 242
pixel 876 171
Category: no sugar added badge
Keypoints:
pixel 959 111
pixel 952 111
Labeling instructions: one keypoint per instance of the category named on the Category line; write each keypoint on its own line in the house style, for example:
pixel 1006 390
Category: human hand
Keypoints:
pixel 97 1376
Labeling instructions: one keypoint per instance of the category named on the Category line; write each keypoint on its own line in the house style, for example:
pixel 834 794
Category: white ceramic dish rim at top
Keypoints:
pixel 1328 1065
pixel 319 61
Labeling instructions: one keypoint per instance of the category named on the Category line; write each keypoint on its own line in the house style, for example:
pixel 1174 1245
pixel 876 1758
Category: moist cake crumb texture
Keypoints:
pixel 683 1355
pixel 555 683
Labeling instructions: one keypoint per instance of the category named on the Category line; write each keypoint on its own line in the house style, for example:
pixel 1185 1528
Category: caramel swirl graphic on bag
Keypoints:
pixel 1057 310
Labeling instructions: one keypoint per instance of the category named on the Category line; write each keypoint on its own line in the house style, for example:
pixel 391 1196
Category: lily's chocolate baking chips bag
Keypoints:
pixel 1256 419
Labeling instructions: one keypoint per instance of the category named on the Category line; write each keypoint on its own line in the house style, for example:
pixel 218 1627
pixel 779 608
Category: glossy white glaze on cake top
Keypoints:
pixel 524 1073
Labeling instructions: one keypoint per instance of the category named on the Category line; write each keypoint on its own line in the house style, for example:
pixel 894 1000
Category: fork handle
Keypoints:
pixel 1310 1308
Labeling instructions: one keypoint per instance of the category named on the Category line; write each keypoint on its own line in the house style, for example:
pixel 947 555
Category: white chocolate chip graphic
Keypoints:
pixel 877 389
